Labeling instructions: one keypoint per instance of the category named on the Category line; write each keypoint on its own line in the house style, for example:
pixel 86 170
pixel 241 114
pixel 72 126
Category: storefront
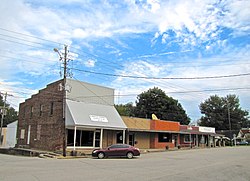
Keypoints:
pixel 197 136
pixel 152 134
pixel 93 125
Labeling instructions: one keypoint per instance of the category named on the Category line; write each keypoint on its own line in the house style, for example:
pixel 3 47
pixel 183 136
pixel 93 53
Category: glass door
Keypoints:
pixel 131 139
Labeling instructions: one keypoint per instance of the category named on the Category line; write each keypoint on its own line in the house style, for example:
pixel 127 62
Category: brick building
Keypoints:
pixel 90 118
pixel 91 121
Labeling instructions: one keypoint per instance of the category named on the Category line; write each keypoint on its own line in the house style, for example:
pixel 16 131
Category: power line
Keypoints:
pixel 175 92
pixel 22 39
pixel 106 60
pixel 23 44
pixel 164 78
pixel 30 36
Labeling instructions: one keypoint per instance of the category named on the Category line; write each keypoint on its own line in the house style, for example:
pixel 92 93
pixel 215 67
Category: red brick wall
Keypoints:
pixel 160 125
pixel 162 145
pixel 164 125
pixel 46 128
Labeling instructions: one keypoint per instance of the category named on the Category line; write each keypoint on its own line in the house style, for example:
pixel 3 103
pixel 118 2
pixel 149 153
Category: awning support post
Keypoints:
pixel 75 139
pixel 101 137
pixel 123 136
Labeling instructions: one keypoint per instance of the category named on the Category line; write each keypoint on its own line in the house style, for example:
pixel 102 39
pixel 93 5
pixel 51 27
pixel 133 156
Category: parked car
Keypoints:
pixel 116 150
pixel 242 143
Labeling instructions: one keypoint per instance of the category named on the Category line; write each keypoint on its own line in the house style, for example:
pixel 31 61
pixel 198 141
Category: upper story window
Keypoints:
pixel 41 110
pixel 51 108
pixel 24 112
pixel 31 111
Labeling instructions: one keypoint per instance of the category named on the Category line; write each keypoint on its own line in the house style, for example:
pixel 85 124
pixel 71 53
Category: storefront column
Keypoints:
pixel 75 138
pixel 197 141
pixel 123 137
pixel 101 137
pixel 209 143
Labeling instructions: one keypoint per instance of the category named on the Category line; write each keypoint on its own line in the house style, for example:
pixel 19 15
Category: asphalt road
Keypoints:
pixel 231 163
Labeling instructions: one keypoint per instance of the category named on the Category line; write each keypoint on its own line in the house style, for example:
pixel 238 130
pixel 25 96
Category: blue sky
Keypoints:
pixel 141 38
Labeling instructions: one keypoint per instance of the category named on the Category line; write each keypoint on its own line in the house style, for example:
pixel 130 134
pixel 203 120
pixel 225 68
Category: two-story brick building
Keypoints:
pixel 91 119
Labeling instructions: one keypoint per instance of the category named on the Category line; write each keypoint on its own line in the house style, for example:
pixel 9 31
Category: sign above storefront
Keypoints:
pixel 206 129
pixel 98 118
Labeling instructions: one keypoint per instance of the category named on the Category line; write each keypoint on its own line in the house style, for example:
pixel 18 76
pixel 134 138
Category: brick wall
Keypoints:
pixel 165 125
pixel 42 115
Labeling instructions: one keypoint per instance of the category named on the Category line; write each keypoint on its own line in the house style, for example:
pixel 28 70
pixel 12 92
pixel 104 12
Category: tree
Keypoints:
pixel 11 113
pixel 219 110
pixel 125 110
pixel 155 101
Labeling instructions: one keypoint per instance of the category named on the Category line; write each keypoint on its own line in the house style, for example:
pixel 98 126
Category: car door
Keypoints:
pixel 112 150
pixel 117 150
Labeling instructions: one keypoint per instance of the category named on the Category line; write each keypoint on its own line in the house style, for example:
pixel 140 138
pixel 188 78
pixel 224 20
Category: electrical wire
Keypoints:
pixel 164 78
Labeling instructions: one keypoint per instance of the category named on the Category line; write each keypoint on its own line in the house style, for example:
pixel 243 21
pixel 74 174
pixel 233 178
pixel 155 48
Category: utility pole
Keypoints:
pixel 3 113
pixel 65 59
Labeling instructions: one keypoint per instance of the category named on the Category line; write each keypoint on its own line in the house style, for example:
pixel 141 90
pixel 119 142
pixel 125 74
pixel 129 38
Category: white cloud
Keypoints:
pixel 214 66
pixel 237 16
pixel 185 23
pixel 90 63
pixel 200 18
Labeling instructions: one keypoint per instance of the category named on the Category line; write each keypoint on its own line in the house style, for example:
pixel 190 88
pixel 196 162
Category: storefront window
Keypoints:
pixel 83 138
pixel 187 138
pixel 164 137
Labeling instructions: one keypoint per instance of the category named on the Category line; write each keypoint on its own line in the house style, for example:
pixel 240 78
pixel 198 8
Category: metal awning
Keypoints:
pixel 92 115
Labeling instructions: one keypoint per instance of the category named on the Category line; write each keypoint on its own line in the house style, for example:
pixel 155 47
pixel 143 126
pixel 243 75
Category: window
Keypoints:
pixel 31 111
pixel 187 138
pixel 22 133
pixel 164 137
pixel 41 110
pixel 38 132
pixel 51 108
pixel 83 138
pixel 119 146
pixel 24 112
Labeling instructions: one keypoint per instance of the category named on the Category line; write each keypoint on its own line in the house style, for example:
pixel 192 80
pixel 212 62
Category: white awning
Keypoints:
pixel 92 115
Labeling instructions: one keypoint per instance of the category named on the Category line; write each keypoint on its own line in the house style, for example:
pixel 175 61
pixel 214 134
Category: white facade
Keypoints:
pixel 11 135
pixel 89 93
pixel 206 129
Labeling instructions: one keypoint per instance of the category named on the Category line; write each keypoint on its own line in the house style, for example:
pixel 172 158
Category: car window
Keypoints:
pixel 119 146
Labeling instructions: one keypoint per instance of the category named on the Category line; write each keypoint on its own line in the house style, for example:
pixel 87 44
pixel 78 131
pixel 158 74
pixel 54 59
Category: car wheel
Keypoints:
pixel 101 155
pixel 130 155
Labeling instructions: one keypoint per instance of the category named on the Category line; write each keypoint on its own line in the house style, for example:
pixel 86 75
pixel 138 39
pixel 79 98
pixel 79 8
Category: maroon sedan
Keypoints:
pixel 117 150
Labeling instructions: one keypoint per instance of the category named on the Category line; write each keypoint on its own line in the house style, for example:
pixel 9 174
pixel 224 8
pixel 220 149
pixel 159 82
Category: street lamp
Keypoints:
pixel 64 58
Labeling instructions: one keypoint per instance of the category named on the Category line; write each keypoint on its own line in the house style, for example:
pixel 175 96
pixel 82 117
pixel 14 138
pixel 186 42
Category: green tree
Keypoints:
pixel 218 110
pixel 125 110
pixel 11 113
pixel 155 101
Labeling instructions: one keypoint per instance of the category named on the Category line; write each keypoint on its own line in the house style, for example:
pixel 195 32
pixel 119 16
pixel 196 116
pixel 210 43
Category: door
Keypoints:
pixel 131 140
pixel 175 140
pixel 117 150
pixel 97 138
pixel 119 137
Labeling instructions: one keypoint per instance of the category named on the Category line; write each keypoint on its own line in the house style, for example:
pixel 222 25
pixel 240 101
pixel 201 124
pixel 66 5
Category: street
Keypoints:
pixel 230 163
